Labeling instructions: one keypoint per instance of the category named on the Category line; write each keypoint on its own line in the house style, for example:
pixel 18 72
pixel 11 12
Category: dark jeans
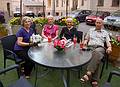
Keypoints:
pixel 93 66
pixel 28 65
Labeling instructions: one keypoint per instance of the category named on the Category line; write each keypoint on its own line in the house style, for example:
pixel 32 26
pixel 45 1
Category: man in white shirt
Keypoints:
pixel 96 38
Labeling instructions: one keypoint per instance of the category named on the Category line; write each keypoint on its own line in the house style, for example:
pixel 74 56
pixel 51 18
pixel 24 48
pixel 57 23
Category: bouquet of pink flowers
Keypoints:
pixel 60 44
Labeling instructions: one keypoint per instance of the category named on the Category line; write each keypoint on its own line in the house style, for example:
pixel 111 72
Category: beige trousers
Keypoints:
pixel 93 66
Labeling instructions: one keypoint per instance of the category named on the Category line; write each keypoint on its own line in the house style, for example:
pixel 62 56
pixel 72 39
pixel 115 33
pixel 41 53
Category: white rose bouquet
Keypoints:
pixel 36 38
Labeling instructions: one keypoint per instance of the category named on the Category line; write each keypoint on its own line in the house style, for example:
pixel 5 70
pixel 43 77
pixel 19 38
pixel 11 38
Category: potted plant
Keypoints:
pixel 115 41
pixel 62 21
pixel 15 24
pixel 40 22
pixel 3 31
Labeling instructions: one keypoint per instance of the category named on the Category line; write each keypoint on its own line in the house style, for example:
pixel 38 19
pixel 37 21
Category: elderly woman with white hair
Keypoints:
pixel 50 29
pixel 69 31
pixel 23 44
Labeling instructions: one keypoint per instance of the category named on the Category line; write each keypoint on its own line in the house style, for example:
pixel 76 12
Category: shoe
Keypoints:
pixel 94 84
pixel 27 77
pixel 22 70
pixel 86 77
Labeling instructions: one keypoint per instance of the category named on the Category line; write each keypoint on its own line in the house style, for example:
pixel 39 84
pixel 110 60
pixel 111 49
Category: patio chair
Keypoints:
pixel 79 36
pixel 22 82
pixel 104 64
pixel 105 61
pixel 8 50
pixel 107 84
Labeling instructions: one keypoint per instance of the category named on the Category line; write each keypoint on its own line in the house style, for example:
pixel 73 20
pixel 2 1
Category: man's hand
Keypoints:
pixel 85 43
pixel 109 50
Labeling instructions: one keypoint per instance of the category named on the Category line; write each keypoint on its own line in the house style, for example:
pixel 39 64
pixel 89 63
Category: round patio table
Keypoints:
pixel 48 56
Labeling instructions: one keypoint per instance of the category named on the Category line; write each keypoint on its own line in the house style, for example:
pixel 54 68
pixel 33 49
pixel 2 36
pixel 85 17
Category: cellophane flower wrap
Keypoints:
pixel 35 38
pixel 60 44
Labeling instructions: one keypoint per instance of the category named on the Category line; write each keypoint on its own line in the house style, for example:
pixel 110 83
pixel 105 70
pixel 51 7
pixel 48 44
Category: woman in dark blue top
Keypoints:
pixel 23 44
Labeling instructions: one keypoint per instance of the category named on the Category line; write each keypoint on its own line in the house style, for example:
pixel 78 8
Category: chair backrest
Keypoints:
pixel 8 42
pixel 79 36
pixel 107 84
pixel 22 82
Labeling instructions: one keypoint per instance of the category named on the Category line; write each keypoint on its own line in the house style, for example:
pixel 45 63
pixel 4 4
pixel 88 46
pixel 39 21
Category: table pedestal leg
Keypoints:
pixel 66 80
pixel 35 85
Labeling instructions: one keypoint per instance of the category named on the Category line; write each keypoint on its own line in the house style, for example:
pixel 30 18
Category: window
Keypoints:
pixel 48 13
pixel 75 4
pixel 61 13
pixel 30 8
pixel 8 8
pixel 62 3
pixel 57 13
pixel 100 2
pixel 82 3
pixel 49 3
pixel 115 3
pixel 57 1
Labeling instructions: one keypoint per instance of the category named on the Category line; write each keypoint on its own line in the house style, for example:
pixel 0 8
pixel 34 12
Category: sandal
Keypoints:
pixel 27 77
pixel 94 84
pixel 86 77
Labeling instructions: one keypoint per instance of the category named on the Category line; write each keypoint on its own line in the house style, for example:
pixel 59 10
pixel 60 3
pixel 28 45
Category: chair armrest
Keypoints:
pixel 9 68
pixel 113 73
pixel 10 52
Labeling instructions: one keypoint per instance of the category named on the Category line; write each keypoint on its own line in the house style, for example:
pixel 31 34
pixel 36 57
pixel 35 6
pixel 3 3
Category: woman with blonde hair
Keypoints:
pixel 23 44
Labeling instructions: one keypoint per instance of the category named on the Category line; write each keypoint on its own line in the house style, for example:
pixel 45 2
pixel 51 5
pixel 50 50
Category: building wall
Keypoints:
pixel 108 6
pixel 60 9
pixel 93 5
pixel 3 5
pixel 15 5
pixel 35 6
pixel 86 4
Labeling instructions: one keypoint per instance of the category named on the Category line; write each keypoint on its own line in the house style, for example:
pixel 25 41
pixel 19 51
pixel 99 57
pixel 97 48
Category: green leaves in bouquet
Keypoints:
pixel 59 48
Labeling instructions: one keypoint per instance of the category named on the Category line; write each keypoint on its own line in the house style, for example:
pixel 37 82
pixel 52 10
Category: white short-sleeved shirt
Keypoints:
pixel 97 37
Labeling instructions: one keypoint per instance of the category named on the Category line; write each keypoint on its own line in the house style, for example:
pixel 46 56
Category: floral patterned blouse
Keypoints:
pixel 50 30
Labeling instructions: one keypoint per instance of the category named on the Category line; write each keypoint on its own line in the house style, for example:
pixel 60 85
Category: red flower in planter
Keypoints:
pixel 59 44
pixel 118 38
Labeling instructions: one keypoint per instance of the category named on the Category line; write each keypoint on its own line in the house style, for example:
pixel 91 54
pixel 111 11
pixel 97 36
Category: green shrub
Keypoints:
pixel 41 21
pixel 3 30
pixel 15 21
pixel 62 21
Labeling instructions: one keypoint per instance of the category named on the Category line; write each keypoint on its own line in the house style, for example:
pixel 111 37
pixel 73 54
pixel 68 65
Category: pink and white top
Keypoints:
pixel 50 30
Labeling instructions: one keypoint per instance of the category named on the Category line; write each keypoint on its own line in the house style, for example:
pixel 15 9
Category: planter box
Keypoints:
pixel 39 29
pixel 3 34
pixel 14 29
pixel 115 54
pixel 3 31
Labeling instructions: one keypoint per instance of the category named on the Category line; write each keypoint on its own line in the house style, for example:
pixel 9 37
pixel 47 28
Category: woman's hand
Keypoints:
pixel 33 44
